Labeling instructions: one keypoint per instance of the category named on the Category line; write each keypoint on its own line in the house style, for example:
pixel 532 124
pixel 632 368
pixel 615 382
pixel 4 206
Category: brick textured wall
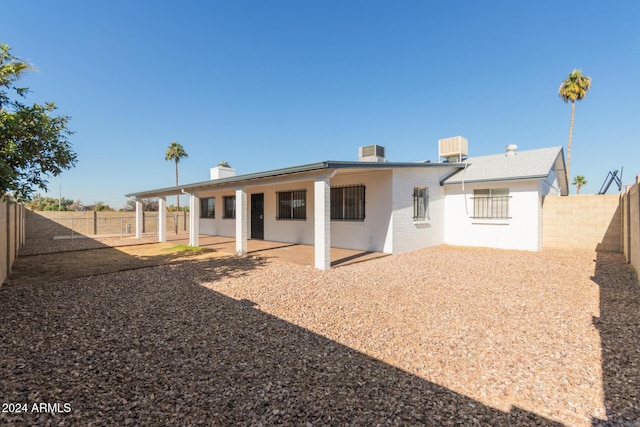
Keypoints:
pixel 631 221
pixel 11 235
pixel 47 224
pixel 407 234
pixel 589 222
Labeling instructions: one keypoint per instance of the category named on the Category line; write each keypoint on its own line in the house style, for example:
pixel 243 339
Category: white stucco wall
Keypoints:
pixel 369 235
pixel 408 235
pixel 372 233
pixel 218 226
pixel 297 231
pixel 522 231
pixel 291 231
pixel 550 185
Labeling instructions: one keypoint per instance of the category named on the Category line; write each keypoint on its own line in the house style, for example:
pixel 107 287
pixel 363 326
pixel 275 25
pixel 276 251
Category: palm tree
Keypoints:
pixel 573 89
pixel 579 181
pixel 175 152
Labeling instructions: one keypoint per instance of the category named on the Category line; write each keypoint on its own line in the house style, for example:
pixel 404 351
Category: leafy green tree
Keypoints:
pixel 175 152
pixel 98 207
pixel 573 89
pixel 33 142
pixel 148 205
pixel 40 203
pixel 174 208
pixel 579 181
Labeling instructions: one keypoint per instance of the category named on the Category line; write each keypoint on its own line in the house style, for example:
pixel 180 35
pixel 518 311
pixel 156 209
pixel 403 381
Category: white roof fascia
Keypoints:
pixel 303 172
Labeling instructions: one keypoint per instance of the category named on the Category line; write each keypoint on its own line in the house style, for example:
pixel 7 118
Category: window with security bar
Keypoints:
pixel 420 203
pixel 208 207
pixel 491 203
pixel 229 203
pixel 292 205
pixel 348 203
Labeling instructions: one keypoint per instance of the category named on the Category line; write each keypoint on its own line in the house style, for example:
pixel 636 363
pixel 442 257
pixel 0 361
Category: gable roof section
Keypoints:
pixel 329 165
pixel 523 165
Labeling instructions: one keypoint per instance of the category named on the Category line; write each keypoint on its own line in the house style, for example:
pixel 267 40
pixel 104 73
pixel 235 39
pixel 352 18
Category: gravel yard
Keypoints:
pixel 47 246
pixel 441 336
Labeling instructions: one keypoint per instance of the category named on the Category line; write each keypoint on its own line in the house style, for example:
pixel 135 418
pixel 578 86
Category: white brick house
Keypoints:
pixel 376 205
pixel 497 200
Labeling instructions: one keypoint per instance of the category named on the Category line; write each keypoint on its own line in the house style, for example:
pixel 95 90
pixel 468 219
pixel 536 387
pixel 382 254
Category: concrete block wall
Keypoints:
pixel 631 221
pixel 50 224
pixel 12 235
pixel 46 225
pixel 586 222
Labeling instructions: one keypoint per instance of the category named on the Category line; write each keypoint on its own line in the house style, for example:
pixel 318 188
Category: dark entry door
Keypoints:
pixel 257 216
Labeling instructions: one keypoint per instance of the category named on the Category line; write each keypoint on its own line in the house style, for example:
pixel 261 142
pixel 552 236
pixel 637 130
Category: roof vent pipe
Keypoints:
pixel 511 150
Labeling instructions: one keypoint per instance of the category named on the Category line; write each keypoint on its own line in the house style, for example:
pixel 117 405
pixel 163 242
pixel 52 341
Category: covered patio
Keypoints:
pixel 316 208
pixel 279 251
pixel 223 179
pixel 315 249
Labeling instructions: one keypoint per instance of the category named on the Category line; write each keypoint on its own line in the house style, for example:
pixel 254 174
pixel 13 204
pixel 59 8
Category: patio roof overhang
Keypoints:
pixel 294 173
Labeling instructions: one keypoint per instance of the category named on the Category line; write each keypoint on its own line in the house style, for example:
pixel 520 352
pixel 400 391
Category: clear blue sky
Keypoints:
pixel 267 84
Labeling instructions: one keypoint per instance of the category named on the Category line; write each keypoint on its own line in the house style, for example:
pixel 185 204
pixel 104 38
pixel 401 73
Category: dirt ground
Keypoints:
pixel 74 263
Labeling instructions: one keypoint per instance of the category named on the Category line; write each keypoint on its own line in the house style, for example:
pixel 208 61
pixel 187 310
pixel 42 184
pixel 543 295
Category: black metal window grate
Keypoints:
pixel 292 205
pixel 348 203
pixel 491 203
pixel 208 207
pixel 229 207
pixel 420 203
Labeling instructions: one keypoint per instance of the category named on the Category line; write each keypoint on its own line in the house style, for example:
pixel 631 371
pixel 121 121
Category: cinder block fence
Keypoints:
pixel 606 223
pixel 631 224
pixel 12 235
pixel 587 222
pixel 49 225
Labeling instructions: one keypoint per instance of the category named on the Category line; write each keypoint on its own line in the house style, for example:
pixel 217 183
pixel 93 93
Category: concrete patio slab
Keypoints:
pixel 286 252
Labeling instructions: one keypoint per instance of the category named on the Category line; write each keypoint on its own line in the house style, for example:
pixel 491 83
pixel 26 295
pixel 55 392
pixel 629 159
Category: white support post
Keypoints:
pixel 322 223
pixel 162 219
pixel 241 222
pixel 139 219
pixel 194 220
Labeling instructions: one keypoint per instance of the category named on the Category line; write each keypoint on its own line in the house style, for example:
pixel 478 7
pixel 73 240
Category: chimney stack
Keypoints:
pixel 223 170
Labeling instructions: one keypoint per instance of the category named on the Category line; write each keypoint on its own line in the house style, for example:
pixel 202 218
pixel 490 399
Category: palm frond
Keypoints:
pixel 575 87
pixel 175 152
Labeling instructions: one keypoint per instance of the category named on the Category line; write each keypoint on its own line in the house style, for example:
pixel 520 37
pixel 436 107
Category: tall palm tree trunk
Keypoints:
pixel 573 110
pixel 178 196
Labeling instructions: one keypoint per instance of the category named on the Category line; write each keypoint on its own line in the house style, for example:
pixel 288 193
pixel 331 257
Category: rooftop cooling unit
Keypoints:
pixel 454 149
pixel 371 153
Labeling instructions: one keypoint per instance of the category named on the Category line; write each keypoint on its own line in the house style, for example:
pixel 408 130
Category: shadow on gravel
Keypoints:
pixel 154 347
pixel 619 327
pixel 98 259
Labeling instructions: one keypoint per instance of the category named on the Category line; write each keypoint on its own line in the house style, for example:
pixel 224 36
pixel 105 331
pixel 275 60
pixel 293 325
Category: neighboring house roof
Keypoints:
pixel 521 165
pixel 326 165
